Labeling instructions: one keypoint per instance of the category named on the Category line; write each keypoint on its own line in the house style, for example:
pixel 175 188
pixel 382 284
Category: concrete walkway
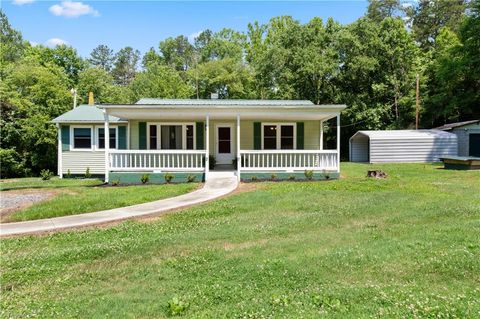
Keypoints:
pixel 218 184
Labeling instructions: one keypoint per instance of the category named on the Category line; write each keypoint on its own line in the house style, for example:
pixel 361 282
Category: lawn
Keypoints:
pixel 54 182
pixel 83 196
pixel 407 246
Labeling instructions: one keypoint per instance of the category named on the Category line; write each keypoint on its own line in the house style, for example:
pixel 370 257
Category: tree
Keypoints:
pixel 11 42
pixel 125 65
pixel 151 58
pixel 177 53
pixel 102 56
pixel 381 9
pixel 101 83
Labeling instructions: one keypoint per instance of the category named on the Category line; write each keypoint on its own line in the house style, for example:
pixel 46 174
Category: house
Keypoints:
pixel 402 146
pixel 254 138
pixel 468 136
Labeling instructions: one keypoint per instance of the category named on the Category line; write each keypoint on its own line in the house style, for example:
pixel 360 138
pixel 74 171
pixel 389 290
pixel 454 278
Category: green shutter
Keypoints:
pixel 122 137
pixel 257 135
pixel 300 136
pixel 142 135
pixel 65 132
pixel 200 130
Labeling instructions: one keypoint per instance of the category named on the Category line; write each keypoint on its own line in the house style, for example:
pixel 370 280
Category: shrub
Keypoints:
pixel 235 163
pixel 211 162
pixel 12 163
pixel 46 174
pixel 191 178
pixel 68 175
pixel 145 178
pixel 273 177
pixel 115 182
pixel 308 174
pixel 254 178
pixel 176 307
pixel 291 177
pixel 169 177
pixel 87 173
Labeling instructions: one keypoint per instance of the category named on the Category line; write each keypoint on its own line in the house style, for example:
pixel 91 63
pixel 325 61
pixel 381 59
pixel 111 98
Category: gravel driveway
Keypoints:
pixel 11 201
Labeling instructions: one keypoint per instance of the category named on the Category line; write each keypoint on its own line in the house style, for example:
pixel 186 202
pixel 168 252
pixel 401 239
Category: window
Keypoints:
pixel 153 137
pixel 189 134
pixel 82 138
pixel 171 137
pixel 224 140
pixel 278 136
pixel 101 138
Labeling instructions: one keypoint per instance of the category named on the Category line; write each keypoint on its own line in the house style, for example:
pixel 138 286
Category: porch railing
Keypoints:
pixel 290 160
pixel 171 160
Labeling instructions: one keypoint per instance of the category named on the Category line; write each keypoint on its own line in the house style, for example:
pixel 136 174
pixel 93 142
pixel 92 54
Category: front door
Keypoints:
pixel 224 149
pixel 474 145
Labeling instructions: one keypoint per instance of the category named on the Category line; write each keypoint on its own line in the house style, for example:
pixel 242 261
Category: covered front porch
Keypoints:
pixel 249 140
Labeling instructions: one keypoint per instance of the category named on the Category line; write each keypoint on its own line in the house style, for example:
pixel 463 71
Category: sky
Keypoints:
pixel 143 24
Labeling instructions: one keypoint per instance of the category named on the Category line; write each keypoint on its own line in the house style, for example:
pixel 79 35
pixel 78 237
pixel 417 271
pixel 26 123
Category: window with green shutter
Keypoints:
pixel 300 136
pixel 122 137
pixel 200 131
pixel 257 135
pixel 142 135
pixel 65 135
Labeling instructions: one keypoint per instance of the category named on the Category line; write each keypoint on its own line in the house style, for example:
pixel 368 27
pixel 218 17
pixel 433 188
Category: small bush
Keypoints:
pixel 68 175
pixel 46 174
pixel 291 177
pixel 191 178
pixel 254 178
pixel 87 173
pixel 145 178
pixel 176 307
pixel 308 174
pixel 211 162
pixel 273 177
pixel 116 182
pixel 169 177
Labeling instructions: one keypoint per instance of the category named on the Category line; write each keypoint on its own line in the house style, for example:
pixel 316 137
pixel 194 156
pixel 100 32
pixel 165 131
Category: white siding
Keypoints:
pixel 402 146
pixel 78 161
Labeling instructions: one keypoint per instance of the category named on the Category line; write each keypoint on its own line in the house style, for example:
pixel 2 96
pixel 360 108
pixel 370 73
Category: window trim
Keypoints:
pixel 92 138
pixel 184 134
pixel 279 134
pixel 97 138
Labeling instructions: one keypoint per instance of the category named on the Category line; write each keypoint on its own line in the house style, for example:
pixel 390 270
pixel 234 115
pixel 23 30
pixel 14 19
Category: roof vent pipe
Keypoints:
pixel 90 98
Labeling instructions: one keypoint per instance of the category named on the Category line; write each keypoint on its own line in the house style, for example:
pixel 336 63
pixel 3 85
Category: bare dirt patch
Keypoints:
pixel 15 200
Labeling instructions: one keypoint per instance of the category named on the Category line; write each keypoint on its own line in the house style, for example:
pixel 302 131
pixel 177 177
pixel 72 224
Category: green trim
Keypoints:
pixel 200 130
pixel 300 136
pixel 122 137
pixel 155 178
pixel 257 135
pixel 282 176
pixel 65 135
pixel 142 135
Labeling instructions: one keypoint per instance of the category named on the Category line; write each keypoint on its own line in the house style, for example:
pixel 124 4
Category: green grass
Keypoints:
pixel 54 182
pixel 76 200
pixel 407 246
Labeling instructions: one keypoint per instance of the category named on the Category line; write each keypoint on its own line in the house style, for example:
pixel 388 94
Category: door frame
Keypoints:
pixel 217 154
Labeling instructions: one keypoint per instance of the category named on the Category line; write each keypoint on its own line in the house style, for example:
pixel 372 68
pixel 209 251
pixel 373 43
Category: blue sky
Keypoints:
pixel 143 24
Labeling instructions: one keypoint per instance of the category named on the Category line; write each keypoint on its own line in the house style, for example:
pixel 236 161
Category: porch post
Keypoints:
pixel 338 142
pixel 321 135
pixel 238 148
pixel 207 146
pixel 59 151
pixel 106 137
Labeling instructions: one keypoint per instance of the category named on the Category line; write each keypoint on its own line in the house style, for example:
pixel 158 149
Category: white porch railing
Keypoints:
pixel 289 160
pixel 171 160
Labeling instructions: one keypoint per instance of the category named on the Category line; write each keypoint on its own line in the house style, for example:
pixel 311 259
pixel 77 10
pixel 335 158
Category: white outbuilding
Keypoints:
pixel 402 146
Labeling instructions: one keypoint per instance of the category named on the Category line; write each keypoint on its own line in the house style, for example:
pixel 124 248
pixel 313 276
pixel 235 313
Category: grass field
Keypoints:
pixel 407 246
pixel 83 196
pixel 54 182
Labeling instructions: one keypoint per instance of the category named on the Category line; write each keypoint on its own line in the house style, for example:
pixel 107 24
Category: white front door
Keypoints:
pixel 224 147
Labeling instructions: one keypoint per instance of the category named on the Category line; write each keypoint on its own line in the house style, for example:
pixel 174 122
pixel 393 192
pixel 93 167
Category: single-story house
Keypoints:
pixel 402 146
pixel 468 136
pixel 255 138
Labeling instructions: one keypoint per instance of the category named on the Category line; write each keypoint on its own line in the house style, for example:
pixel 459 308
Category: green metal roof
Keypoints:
pixel 85 114
pixel 221 102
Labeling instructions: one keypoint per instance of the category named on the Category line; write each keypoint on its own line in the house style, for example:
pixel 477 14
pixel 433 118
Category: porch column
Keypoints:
pixel 207 146
pixel 59 151
pixel 238 148
pixel 338 142
pixel 321 135
pixel 106 136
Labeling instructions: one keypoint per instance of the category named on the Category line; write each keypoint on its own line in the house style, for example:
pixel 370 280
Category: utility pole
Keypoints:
pixel 417 115
pixel 74 93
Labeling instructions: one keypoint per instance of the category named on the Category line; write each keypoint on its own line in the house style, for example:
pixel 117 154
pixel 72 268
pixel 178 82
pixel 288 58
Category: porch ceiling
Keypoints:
pixel 141 112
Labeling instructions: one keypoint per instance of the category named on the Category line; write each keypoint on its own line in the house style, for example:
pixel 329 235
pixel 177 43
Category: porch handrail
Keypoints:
pixel 115 151
pixel 289 151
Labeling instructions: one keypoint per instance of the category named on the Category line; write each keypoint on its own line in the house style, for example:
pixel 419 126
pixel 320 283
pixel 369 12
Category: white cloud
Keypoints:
pixel 33 43
pixel 53 42
pixel 22 2
pixel 191 37
pixel 72 9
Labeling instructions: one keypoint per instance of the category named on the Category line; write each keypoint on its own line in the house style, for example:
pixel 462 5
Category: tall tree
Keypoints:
pixel 177 52
pixel 381 9
pixel 102 57
pixel 125 65
pixel 11 42
pixel 151 57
